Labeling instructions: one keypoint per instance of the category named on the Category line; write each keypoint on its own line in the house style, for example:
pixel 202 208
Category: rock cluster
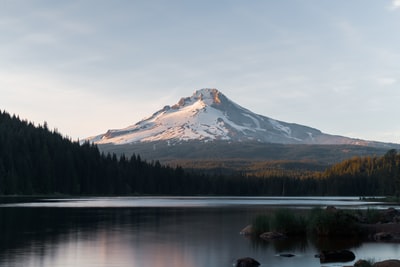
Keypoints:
pixel 385 229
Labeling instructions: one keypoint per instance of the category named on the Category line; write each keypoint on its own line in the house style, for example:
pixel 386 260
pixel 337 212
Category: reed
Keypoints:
pixel 283 220
pixel 261 224
pixel 332 223
pixel 317 221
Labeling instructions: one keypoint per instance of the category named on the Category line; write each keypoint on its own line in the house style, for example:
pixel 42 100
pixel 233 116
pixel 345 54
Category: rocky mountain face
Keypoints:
pixel 208 115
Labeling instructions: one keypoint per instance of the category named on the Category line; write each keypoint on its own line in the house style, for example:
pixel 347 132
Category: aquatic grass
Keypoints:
pixel 288 222
pixel 369 262
pixel 332 223
pixel 318 221
pixel 261 224
pixel 283 220
pixel 372 216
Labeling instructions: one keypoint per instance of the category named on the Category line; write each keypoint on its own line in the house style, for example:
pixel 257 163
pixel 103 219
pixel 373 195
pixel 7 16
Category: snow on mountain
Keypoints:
pixel 209 115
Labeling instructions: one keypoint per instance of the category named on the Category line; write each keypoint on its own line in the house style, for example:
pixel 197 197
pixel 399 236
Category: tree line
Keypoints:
pixel 370 175
pixel 37 160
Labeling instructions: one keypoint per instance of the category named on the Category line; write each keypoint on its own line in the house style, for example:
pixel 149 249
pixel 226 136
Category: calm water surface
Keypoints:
pixel 160 231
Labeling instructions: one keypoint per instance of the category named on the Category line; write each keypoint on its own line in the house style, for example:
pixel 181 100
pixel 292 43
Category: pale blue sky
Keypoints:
pixel 88 66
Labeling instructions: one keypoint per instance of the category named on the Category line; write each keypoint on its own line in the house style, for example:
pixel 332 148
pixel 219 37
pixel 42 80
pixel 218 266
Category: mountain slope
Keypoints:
pixel 208 115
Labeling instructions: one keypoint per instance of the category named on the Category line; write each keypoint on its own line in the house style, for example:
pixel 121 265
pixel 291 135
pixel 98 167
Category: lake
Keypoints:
pixel 161 231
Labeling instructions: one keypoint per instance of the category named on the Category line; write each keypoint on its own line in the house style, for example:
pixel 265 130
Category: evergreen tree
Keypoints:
pixel 35 160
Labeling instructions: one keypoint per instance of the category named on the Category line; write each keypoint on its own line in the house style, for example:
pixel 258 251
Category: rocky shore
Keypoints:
pixel 371 225
pixel 384 226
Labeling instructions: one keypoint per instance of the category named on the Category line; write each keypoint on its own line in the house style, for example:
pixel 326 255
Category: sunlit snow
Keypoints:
pixel 209 115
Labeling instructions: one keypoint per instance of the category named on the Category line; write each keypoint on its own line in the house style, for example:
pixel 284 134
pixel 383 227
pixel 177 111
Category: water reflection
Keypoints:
pixel 299 244
pixel 87 237
pixel 152 236
pixel 126 202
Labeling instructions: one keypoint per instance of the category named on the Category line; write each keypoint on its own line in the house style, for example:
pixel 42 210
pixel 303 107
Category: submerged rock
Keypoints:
pixel 331 209
pixel 362 263
pixel 247 262
pixel 287 255
pixel 383 236
pixel 272 236
pixel 248 230
pixel 389 215
pixel 336 256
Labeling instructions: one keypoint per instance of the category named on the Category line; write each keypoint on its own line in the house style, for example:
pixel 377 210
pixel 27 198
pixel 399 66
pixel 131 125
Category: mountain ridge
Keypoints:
pixel 208 115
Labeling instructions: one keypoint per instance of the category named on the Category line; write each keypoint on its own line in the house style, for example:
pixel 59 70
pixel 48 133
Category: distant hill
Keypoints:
pixel 242 156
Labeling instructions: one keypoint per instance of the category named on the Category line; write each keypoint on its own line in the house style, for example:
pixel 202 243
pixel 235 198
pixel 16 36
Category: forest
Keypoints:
pixel 35 160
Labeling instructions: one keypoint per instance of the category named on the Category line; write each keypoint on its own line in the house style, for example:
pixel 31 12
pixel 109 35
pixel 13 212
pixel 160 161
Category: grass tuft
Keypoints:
pixel 318 221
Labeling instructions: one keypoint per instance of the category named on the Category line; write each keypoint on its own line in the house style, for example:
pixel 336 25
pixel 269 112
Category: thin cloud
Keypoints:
pixel 395 4
pixel 386 81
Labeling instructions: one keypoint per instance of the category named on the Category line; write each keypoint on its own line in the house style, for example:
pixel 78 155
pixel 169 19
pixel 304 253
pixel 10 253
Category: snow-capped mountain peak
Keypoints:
pixel 208 96
pixel 209 115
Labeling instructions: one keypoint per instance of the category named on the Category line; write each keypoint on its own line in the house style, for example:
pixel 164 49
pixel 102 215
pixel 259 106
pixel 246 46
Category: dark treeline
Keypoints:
pixel 36 160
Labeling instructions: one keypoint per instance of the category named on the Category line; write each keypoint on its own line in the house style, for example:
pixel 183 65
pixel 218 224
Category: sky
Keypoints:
pixel 88 66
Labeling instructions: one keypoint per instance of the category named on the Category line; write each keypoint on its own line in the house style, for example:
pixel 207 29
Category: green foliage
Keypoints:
pixel 261 224
pixel 372 216
pixel 369 262
pixel 283 220
pixel 244 156
pixel 367 175
pixel 332 223
pixel 36 160
pixel 288 222
pixel 320 222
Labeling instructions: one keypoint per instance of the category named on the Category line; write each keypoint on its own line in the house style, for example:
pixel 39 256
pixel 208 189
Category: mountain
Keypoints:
pixel 208 115
pixel 209 132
